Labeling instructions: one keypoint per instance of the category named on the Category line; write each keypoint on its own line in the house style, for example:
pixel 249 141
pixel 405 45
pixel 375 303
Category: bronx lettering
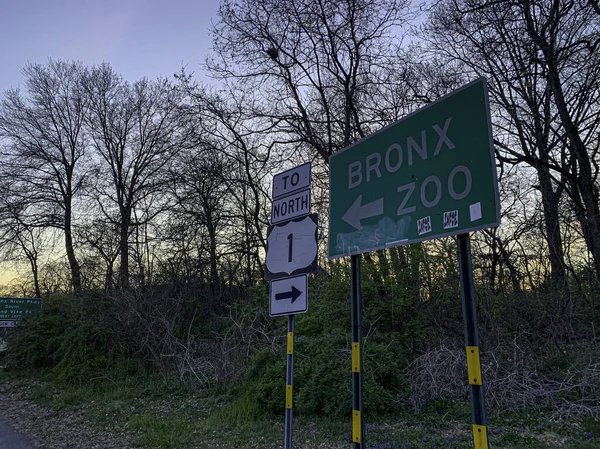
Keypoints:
pixel 417 149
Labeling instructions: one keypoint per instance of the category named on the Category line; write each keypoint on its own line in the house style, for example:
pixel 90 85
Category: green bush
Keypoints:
pixel 67 340
pixel 323 378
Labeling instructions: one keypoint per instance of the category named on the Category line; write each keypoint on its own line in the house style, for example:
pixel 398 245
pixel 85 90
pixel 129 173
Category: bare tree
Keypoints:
pixel 136 133
pixel 318 65
pixel 491 38
pixel 45 144
pixel 567 38
pixel 235 149
pixel 19 236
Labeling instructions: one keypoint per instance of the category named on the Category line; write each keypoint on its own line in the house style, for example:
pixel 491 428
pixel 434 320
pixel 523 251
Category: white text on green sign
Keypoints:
pixel 431 174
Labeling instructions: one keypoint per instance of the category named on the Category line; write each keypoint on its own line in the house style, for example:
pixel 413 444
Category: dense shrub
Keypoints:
pixel 69 339
pixel 323 379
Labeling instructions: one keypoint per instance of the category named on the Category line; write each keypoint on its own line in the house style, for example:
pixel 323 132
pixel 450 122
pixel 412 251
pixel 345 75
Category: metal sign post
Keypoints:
pixel 289 383
pixel 469 308
pixel 431 174
pixel 358 421
pixel 291 253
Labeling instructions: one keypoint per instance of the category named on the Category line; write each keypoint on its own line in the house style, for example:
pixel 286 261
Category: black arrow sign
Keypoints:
pixel 292 294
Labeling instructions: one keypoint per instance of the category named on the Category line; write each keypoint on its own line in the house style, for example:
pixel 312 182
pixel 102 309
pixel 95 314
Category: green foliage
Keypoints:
pixel 243 409
pixel 161 432
pixel 519 441
pixel 591 425
pixel 66 340
pixel 322 376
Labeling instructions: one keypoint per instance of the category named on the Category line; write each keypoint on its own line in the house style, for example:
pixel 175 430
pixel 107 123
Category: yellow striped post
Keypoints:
pixel 480 439
pixel 469 308
pixel 474 365
pixel 358 423
pixel 289 383
pixel 356 357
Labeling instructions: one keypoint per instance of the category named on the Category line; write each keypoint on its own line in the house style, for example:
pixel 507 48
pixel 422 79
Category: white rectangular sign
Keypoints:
pixel 292 206
pixel 291 180
pixel 288 296
pixel 7 323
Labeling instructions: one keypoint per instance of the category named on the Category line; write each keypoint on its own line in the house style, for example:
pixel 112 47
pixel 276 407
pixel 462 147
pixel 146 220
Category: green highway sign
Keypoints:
pixel 14 309
pixel 431 174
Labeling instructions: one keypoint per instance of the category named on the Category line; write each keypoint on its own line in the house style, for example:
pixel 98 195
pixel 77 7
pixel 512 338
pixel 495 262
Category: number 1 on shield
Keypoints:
pixel 290 238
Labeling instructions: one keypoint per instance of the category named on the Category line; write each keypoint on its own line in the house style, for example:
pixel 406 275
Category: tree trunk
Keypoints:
pixel 73 263
pixel 124 247
pixel 550 203
pixel 35 273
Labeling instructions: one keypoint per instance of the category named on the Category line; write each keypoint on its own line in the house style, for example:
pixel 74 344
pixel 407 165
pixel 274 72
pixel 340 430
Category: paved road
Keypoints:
pixel 12 439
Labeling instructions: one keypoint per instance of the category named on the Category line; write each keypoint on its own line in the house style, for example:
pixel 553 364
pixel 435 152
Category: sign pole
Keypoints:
pixel 358 424
pixel 469 308
pixel 289 381
pixel 292 251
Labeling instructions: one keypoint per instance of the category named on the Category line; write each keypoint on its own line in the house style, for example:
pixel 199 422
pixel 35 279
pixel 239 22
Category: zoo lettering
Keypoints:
pixel 393 159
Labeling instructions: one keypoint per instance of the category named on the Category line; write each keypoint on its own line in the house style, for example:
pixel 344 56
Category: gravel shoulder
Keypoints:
pixel 50 429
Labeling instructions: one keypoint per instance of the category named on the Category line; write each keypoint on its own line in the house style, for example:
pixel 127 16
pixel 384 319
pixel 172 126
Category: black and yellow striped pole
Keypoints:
pixel 289 383
pixel 469 307
pixel 358 426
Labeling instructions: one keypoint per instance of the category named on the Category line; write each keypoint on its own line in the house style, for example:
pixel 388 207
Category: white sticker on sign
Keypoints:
pixel 451 219
pixel 424 225
pixel 475 211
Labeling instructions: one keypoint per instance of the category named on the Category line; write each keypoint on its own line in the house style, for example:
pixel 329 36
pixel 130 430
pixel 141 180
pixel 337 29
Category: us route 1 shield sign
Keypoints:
pixel 292 248
pixel 288 296
pixel 431 174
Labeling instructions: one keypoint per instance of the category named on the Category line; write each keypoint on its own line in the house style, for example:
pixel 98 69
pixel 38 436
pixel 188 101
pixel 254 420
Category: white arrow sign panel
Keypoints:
pixel 288 296
pixel 292 248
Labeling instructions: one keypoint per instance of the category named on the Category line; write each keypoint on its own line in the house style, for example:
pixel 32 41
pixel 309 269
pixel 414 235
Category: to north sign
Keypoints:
pixel 292 180
pixel 429 175
pixel 291 206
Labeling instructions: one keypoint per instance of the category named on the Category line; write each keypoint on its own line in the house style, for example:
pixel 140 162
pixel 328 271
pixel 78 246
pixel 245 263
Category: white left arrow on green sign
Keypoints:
pixel 356 212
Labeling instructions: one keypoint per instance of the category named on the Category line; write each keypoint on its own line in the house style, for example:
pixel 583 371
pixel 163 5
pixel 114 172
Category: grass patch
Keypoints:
pixel 159 432
pixel 167 415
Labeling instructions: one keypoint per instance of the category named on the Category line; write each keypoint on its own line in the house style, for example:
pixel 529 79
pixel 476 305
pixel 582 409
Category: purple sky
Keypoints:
pixel 137 37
